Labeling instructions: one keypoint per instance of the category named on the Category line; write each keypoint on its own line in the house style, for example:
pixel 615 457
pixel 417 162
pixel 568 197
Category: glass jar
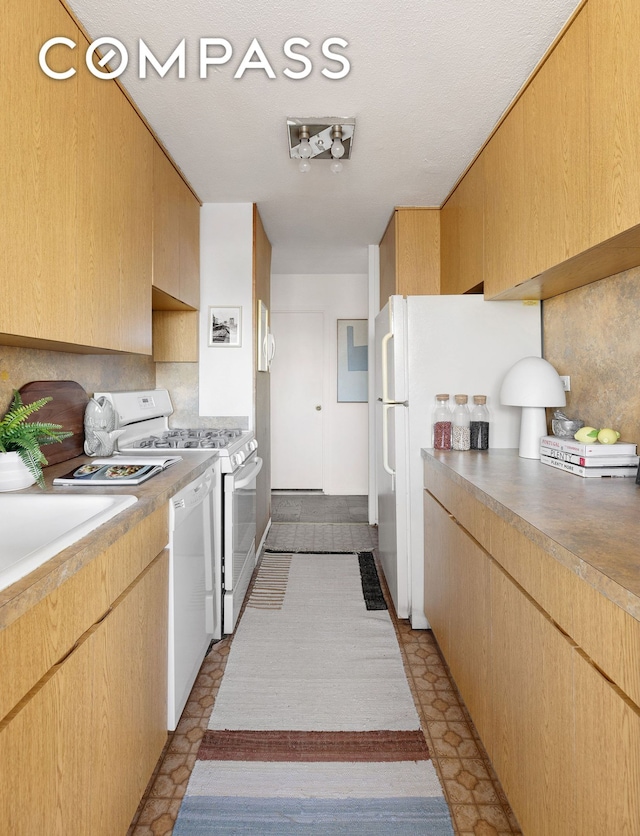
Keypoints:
pixel 460 432
pixel 442 423
pixel 479 423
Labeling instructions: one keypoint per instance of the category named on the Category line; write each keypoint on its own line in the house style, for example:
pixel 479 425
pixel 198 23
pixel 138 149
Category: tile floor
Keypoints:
pixel 477 802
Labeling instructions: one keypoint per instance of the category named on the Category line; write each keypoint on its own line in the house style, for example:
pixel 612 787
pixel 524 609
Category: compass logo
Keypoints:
pixel 108 57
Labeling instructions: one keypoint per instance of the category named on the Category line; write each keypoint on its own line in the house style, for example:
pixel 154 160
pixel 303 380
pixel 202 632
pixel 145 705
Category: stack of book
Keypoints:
pixel 593 459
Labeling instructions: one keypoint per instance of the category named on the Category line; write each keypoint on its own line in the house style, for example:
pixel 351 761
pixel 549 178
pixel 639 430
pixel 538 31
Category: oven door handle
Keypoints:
pixel 247 478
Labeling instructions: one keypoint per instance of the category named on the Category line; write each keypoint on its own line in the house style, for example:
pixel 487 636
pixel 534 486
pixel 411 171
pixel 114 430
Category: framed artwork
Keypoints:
pixel 353 360
pixel 225 327
pixel 263 331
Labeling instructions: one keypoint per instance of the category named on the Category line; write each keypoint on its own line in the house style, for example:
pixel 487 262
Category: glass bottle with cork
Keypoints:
pixel 461 433
pixel 479 425
pixel 442 423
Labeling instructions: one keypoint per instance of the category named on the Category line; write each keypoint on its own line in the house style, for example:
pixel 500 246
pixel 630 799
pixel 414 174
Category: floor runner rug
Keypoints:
pixel 314 729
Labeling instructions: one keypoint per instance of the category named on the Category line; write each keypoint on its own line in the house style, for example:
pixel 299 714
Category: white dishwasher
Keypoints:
pixel 191 582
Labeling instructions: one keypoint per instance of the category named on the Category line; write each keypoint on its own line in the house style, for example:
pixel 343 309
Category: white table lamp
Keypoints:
pixel 533 384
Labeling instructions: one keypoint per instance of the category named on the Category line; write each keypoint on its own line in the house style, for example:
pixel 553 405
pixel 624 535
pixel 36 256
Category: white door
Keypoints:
pixel 296 400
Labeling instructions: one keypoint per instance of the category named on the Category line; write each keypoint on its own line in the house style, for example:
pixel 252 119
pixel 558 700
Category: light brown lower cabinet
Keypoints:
pixel 531 738
pixel 563 737
pixel 77 752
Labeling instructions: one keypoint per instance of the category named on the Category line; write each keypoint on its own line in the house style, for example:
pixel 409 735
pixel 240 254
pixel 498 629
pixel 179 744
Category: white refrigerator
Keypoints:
pixel 426 345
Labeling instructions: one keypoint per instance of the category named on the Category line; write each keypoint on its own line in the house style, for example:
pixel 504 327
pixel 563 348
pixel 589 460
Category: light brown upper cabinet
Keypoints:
pixel 176 238
pixel 562 207
pixel 115 154
pixel 38 124
pixel 76 182
pixel 614 116
pixel 536 214
pixel 410 253
pixel 462 234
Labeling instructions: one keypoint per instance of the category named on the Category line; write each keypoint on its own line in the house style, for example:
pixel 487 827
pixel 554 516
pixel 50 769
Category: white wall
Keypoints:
pixel 226 279
pixel 345 425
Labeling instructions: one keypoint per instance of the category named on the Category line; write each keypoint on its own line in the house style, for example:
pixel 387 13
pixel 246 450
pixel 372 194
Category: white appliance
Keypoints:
pixel 142 419
pixel 426 345
pixel 190 584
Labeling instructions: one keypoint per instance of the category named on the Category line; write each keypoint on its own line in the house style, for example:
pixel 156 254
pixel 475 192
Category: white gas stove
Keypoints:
pixel 143 418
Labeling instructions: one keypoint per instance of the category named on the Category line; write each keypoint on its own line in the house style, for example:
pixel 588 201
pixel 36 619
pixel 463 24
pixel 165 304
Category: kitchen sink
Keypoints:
pixel 35 527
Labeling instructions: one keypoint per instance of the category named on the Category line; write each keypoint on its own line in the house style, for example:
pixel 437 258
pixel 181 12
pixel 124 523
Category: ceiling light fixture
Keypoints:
pixel 320 139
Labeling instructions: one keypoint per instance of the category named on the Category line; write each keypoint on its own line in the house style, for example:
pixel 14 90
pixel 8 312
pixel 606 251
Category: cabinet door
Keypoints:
pixel 114 219
pixel 556 135
pixel 462 234
pixel 166 224
pixel 614 116
pixel 607 755
pixel 77 753
pixel 507 211
pixel 532 745
pixel 457 607
pixel 417 251
pixel 388 262
pixel 189 230
pixel 38 125
pixel 436 575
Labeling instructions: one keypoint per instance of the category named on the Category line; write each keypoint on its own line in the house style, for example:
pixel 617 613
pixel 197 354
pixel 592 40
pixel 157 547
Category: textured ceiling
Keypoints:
pixel 429 79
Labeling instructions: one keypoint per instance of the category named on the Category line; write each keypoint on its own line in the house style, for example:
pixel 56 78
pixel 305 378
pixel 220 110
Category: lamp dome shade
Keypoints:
pixel 532 381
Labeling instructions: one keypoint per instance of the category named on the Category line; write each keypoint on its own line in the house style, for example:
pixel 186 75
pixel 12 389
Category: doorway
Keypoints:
pixel 296 400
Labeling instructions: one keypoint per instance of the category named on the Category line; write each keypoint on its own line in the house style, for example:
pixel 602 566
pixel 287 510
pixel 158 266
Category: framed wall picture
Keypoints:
pixel 225 327
pixel 263 331
pixel 353 360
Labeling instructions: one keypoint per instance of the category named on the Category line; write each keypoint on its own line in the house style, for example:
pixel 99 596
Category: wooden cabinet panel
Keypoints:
pixel 37 640
pixel 436 574
pixel 507 244
pixel 556 153
pixel 262 292
pixel 462 234
pixel 113 287
pixel 607 755
pixel 610 637
pixel 100 717
pixel 175 336
pixel 388 262
pixel 189 247
pixel 176 237
pixel 410 253
pixel 614 116
pixel 38 125
pixel 531 746
pixel 166 226
pixel 457 607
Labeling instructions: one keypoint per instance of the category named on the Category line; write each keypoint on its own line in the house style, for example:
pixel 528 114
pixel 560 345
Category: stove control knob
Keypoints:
pixel 234 461
pixel 253 445
pixel 241 457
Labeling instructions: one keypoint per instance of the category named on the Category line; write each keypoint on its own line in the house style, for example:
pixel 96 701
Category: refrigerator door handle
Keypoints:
pixel 385 367
pixel 385 438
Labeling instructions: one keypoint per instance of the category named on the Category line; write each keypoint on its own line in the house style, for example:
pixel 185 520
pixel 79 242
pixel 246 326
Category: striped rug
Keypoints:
pixel 314 729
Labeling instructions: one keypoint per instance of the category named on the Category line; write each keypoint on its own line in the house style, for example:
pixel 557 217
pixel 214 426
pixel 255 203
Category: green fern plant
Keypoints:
pixel 17 435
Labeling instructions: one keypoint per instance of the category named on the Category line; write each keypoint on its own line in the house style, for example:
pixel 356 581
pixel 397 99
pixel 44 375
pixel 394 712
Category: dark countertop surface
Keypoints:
pixel 152 494
pixel 592 526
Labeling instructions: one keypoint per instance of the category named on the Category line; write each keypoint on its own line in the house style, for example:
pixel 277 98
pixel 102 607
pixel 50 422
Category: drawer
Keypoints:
pixel 459 502
pixel 610 637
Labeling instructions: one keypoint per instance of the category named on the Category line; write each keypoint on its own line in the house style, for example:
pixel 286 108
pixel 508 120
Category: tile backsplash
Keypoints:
pixel 592 334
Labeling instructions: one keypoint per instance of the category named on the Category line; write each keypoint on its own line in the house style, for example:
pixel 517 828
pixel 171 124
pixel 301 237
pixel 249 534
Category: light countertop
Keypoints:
pixel 592 526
